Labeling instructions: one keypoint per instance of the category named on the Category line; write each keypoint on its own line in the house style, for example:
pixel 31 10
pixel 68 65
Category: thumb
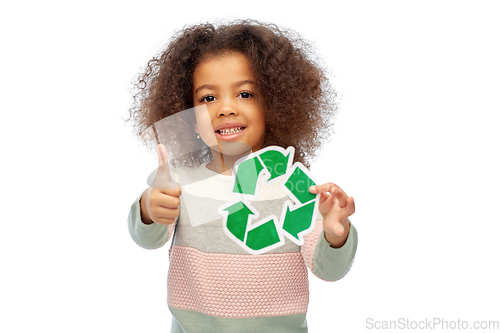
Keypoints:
pixel 163 174
pixel 162 156
pixel 160 178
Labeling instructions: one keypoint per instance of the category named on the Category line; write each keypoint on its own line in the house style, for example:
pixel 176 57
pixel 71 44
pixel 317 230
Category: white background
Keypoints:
pixel 416 144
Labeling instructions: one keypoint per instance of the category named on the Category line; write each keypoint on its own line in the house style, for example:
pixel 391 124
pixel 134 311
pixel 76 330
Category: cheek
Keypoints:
pixel 262 121
pixel 261 133
pixel 204 125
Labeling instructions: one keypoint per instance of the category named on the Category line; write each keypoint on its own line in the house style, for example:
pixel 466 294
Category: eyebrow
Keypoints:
pixel 234 85
pixel 242 82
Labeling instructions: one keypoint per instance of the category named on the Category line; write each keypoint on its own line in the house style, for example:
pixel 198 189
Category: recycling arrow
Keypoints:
pixel 263 235
pixel 276 162
pixel 237 219
pixel 247 176
pixel 259 236
pixel 298 220
pixel 298 185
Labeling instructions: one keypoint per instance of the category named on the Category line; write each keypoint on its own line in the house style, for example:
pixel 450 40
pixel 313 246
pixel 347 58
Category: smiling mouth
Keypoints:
pixel 229 131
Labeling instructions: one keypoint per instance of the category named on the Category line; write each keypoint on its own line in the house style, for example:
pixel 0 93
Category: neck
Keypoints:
pixel 223 164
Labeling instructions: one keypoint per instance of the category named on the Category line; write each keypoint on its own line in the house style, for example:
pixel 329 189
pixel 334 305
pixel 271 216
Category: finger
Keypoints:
pixel 163 215
pixel 351 208
pixel 319 188
pixel 327 187
pixel 166 213
pixel 333 189
pixel 324 196
pixel 167 200
pixel 348 210
pixel 340 196
pixel 164 220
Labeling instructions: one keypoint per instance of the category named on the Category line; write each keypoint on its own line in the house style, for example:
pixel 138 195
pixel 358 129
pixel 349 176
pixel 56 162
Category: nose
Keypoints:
pixel 227 107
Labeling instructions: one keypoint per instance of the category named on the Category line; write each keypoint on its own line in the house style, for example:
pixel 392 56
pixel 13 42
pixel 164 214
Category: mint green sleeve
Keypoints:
pixel 148 236
pixel 332 264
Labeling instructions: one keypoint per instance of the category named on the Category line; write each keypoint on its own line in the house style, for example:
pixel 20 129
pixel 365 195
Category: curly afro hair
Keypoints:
pixel 299 102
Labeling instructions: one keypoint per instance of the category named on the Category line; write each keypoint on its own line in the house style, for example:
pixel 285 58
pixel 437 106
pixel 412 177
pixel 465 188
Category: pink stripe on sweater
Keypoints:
pixel 237 285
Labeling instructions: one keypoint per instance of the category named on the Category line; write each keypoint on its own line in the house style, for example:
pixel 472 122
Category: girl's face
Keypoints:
pixel 227 86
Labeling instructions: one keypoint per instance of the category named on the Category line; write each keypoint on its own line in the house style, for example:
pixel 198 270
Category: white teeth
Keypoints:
pixel 227 131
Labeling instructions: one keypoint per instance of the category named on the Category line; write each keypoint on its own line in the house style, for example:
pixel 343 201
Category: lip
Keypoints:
pixel 228 124
pixel 229 137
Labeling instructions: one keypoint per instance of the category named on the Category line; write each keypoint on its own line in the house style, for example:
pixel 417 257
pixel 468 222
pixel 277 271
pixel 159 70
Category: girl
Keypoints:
pixel 261 87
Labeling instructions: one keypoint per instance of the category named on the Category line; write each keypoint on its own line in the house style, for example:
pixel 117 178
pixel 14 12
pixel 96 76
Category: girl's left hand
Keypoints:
pixel 336 207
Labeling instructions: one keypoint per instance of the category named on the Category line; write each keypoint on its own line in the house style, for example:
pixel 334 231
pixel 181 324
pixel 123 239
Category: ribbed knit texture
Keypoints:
pixel 237 286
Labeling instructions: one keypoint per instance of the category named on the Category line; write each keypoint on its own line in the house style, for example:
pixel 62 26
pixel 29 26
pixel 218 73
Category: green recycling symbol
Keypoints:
pixel 297 216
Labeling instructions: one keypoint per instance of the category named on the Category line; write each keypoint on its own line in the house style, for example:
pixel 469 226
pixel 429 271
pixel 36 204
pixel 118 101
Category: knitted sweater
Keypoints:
pixel 214 285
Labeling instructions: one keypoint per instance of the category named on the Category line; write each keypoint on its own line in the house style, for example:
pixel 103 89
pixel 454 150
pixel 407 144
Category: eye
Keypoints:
pixel 245 94
pixel 207 99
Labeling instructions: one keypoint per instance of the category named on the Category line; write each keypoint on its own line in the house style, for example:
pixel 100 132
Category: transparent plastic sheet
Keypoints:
pixel 191 141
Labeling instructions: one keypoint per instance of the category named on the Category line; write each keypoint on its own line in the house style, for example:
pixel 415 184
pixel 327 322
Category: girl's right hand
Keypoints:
pixel 161 205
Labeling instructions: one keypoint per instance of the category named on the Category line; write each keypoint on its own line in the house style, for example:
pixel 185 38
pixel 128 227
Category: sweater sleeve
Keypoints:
pixel 324 261
pixel 148 236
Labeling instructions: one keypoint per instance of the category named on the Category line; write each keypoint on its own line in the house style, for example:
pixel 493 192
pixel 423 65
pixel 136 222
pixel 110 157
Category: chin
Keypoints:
pixel 232 148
